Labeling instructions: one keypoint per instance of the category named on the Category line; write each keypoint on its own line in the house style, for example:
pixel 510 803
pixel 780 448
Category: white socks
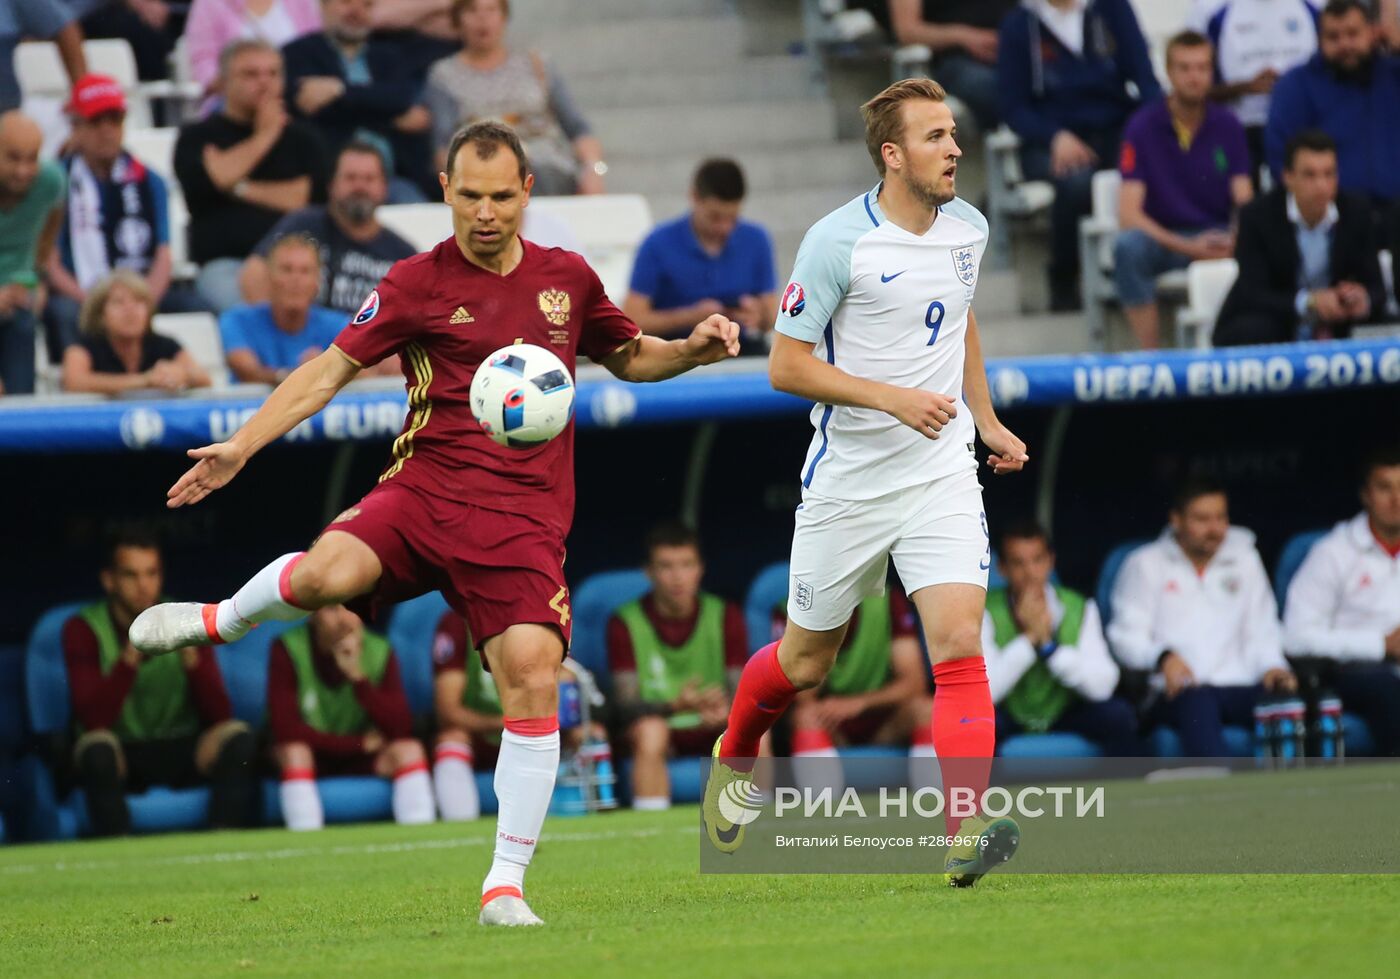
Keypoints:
pixel 455 782
pixel 525 773
pixel 266 596
pixel 301 803
pixel 413 796
pixel 651 803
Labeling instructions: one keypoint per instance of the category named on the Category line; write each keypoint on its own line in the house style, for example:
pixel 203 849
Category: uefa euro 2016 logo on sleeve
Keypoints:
pixel 794 300
pixel 369 310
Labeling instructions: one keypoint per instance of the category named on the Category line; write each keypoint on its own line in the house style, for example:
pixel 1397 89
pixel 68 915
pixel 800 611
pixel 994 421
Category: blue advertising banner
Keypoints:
pixel 718 394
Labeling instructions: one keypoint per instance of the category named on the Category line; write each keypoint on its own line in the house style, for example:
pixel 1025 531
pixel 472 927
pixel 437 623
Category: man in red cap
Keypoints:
pixel 117 215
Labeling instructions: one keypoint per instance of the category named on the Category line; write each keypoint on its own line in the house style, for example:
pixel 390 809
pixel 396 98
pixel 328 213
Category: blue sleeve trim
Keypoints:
pixel 866 200
pixel 826 412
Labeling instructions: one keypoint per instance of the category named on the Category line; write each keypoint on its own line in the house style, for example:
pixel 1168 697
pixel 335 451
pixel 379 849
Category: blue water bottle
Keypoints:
pixel 1331 743
pixel 1264 733
pixel 604 778
pixel 570 704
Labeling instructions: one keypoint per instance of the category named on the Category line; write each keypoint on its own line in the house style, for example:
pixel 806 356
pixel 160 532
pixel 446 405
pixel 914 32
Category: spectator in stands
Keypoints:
pixel 876 693
pixel 336 705
pixel 352 85
pixel 962 34
pixel 264 342
pixel 1047 659
pixel 151 27
pixel 489 80
pixel 243 168
pixel 706 261
pixel 213 25
pixel 1349 90
pixel 49 20
pixel 1185 168
pixel 675 656
pixel 1307 256
pixel 119 351
pixel 31 209
pixel 1255 42
pixel 1344 603
pixel 162 720
pixel 1195 608
pixel 117 215
pixel 1064 68
pixel 356 250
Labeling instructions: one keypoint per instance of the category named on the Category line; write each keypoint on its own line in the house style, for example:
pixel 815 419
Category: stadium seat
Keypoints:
pixel 1108 574
pixel 768 593
pixel 410 632
pixel 155 148
pixel 40 72
pixel 1054 744
pixel 1164 742
pixel 1010 197
pixel 593 602
pixel 1291 558
pixel 199 334
pixel 1207 284
pixel 609 229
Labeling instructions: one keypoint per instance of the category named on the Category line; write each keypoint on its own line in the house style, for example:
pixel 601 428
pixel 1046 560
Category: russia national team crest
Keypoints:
pixel 554 303
pixel 965 263
pixel 369 310
pixel 794 300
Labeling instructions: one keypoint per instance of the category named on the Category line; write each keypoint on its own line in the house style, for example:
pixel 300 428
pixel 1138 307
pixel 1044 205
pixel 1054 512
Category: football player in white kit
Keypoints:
pixel 876 327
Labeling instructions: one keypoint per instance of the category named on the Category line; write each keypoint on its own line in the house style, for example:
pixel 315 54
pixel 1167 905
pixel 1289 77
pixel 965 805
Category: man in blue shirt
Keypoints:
pixel 1350 91
pixel 706 261
pixel 1071 73
pixel 263 343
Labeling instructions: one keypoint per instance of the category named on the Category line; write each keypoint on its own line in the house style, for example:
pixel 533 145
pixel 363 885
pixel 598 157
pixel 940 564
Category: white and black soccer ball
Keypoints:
pixel 522 396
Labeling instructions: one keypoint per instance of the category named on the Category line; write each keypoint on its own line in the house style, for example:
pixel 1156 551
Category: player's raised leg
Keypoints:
pixel 338 567
pixel 525 664
pixel 964 725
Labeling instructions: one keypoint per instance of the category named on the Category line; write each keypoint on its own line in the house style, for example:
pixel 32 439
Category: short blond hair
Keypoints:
pixel 95 305
pixel 883 115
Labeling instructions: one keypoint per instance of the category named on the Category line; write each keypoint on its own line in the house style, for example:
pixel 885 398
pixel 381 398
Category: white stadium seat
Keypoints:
pixel 199 334
pixel 608 229
pixel 1207 284
pixel 155 148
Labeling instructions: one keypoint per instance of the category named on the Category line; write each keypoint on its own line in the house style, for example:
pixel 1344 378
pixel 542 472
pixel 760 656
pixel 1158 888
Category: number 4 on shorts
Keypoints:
pixel 560 604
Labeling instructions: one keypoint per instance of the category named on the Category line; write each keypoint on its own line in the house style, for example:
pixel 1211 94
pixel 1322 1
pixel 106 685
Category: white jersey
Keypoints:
pixel 1251 36
pixel 887 305
pixel 1345 597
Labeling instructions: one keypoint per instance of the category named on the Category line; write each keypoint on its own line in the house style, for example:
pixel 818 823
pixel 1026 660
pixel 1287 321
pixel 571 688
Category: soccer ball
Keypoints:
pixel 522 396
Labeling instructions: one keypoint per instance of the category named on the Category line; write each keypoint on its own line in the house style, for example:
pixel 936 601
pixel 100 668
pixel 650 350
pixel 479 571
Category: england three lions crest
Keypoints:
pixel 965 264
pixel 554 303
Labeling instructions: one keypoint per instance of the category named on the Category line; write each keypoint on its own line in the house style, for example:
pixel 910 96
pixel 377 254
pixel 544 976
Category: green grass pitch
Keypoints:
pixel 622 895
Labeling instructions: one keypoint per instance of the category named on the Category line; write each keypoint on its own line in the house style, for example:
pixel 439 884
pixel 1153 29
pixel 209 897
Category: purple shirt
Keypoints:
pixel 1187 190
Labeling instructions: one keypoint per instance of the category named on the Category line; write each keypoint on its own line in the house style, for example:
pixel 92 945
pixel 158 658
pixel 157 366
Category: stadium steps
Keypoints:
pixel 700 130
pixel 672 43
pixel 769 78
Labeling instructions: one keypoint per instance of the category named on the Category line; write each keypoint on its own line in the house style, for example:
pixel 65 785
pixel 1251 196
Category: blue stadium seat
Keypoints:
pixel 1166 743
pixel 1108 574
pixel 244 667
pixel 593 602
pixel 1291 558
pixel 1053 744
pixel 410 631
pixel 769 591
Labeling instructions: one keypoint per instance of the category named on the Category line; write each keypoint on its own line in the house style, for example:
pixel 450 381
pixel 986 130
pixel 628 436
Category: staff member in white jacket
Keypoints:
pixel 1344 603
pixel 1196 608
pixel 1047 660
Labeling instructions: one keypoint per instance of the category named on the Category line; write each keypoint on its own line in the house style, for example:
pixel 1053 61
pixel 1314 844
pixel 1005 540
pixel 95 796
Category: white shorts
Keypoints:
pixel 936 533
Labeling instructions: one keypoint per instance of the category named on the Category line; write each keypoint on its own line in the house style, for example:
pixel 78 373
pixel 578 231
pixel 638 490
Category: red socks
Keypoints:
pixel 964 730
pixel 764 693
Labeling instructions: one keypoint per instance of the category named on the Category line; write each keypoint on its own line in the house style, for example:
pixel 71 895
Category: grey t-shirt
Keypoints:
pixel 349 268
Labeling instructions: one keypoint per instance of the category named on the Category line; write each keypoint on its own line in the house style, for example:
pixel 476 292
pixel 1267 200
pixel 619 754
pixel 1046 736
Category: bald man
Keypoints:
pixel 31 210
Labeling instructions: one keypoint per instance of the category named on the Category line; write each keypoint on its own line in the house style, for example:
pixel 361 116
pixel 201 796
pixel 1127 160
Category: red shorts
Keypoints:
pixel 495 569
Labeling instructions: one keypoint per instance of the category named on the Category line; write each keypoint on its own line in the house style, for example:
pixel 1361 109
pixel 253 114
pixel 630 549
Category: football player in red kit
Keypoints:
pixel 453 511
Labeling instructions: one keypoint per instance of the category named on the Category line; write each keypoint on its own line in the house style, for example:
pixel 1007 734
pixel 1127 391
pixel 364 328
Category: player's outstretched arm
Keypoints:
pixel 650 358
pixel 306 391
pixel 793 369
pixel 1008 453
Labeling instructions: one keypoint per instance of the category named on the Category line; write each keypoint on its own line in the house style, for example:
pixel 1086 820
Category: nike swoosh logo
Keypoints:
pixel 974 720
pixel 891 278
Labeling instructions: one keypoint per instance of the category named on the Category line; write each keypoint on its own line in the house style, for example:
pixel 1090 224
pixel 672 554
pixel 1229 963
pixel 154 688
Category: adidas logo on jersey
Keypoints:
pixel 461 316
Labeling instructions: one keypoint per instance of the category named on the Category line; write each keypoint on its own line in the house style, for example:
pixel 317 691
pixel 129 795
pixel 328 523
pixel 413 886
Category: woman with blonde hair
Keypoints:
pixel 119 351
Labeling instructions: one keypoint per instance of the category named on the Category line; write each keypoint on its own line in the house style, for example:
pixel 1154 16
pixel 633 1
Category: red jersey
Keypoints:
pixel 444 316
